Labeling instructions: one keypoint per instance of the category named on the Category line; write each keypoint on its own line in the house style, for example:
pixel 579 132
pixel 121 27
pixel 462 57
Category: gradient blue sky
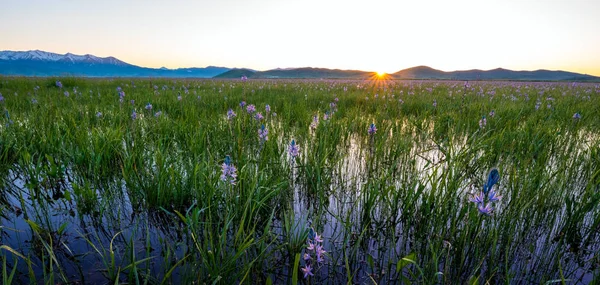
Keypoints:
pixel 374 35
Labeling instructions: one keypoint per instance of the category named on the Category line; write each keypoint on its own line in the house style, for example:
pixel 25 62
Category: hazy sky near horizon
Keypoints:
pixel 373 35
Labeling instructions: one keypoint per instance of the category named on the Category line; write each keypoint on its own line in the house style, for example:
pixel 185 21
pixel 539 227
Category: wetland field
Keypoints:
pixel 183 181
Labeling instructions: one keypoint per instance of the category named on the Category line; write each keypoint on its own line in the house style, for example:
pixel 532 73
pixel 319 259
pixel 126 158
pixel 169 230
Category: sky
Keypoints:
pixel 370 35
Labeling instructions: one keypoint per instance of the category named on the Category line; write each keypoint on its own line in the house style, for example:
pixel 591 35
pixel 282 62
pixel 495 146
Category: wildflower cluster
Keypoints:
pixel 372 129
pixel 314 254
pixel 293 149
pixel 121 95
pixel 482 122
pixel 230 114
pixel 263 134
pixel 315 122
pixel 228 171
pixel 488 196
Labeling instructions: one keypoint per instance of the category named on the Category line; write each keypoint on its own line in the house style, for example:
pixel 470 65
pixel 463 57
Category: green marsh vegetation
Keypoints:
pixel 147 181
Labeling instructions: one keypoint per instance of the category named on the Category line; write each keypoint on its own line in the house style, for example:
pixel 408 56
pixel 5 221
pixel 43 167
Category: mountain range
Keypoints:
pixel 41 63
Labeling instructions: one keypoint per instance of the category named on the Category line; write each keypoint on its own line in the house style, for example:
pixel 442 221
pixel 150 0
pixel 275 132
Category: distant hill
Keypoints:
pixel 41 63
pixel 301 73
pixel 425 72
pixel 236 73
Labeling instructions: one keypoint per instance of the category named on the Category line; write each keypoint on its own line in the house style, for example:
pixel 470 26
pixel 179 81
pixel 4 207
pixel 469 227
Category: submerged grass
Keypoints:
pixel 152 181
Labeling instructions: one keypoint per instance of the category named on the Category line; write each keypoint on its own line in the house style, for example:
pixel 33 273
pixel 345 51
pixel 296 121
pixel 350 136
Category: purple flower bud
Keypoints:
pixel 293 149
pixel 372 129
pixel 230 114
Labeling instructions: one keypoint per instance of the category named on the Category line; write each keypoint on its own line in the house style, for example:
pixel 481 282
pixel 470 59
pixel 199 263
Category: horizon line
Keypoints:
pixel 314 67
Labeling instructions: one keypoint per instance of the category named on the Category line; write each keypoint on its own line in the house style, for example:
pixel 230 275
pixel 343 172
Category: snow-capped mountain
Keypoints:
pixel 49 56
pixel 42 63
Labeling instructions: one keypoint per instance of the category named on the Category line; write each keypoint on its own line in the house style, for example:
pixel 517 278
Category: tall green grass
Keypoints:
pixel 123 197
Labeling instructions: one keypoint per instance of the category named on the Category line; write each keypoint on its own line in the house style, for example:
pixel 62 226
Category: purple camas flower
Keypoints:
pixel 132 102
pixel 58 84
pixel 372 129
pixel 318 238
pixel 307 271
pixel 1 98
pixel 242 104
pixel 228 171
pixel 148 106
pixel 158 114
pixel 320 253
pixel 133 115
pixel 492 113
pixel 66 93
pixel 487 196
pixel 251 109
pixel 314 249
pixel 179 98
pixel 259 116
pixel 486 210
pixel 293 149
pixel 576 116
pixel 477 199
pixel 99 114
pixel 493 196
pixel 267 108
pixel 121 94
pixel 482 122
pixel 315 123
pixel 244 78
pixel 434 103
pixel 263 134
pixel 326 116
pixel 230 114
pixel 34 101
